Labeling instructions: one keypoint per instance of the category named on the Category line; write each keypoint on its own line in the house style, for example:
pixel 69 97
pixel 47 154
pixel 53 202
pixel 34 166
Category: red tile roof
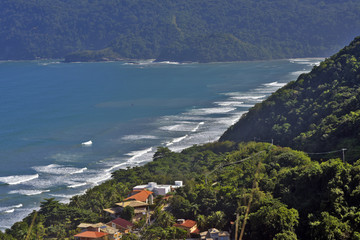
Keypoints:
pixel 141 195
pixel 186 224
pixel 90 234
pixel 122 222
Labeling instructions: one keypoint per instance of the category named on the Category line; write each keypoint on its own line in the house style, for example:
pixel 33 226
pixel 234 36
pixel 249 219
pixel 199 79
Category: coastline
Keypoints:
pixel 185 130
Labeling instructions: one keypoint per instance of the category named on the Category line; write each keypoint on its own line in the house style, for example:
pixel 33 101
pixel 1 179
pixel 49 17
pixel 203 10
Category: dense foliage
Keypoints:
pixel 317 113
pixel 203 30
pixel 291 197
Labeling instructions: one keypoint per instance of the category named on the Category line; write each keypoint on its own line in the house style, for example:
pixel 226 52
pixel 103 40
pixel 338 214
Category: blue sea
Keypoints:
pixel 49 111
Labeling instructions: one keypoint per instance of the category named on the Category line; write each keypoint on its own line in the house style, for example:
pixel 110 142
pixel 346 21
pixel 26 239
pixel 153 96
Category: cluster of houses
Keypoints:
pixel 140 198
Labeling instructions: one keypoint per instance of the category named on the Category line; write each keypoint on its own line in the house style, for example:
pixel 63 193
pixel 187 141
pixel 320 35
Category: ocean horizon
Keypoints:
pixel 65 127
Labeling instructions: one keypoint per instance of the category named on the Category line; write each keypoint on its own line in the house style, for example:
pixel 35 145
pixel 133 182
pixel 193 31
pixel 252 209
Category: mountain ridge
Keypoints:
pixel 316 113
pixel 212 31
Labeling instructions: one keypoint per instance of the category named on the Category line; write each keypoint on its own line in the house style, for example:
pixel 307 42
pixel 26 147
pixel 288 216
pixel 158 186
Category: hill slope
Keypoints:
pixel 187 30
pixel 317 113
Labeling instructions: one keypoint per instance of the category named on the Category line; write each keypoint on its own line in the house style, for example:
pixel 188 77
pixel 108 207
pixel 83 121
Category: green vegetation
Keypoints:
pixel 291 197
pixel 317 113
pixel 226 30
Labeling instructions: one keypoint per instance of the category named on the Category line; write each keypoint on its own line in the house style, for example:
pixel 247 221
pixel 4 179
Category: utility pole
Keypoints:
pixel 343 153
pixel 236 226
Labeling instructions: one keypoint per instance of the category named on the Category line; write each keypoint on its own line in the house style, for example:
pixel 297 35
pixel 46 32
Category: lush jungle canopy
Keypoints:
pixel 203 30
pixel 317 113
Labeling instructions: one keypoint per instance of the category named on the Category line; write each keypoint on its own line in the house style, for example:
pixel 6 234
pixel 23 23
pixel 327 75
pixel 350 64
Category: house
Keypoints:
pixel 100 227
pixel 121 224
pixel 159 189
pixel 214 234
pixel 90 235
pixel 141 195
pixel 140 209
pixel 188 225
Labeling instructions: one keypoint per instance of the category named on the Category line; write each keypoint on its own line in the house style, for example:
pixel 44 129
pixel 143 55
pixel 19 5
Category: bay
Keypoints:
pixel 49 109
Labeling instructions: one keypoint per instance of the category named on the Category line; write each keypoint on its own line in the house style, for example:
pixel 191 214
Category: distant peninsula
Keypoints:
pixel 182 31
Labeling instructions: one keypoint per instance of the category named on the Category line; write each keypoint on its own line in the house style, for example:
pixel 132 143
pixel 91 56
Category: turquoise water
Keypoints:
pixel 48 109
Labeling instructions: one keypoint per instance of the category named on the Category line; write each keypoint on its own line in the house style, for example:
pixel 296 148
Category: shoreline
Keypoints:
pixel 176 138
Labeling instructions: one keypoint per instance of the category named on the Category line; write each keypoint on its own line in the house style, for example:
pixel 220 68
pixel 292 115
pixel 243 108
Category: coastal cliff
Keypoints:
pixel 319 112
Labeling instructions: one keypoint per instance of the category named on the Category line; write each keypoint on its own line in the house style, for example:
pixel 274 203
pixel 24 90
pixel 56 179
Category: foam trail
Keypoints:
pixel 138 137
pixel 249 97
pixel 10 209
pixel 88 143
pixel 28 192
pixel 298 73
pixel 101 178
pixel 116 166
pixel 136 154
pixel 274 84
pixel 198 126
pixel 76 185
pixel 230 104
pixel 176 140
pixel 208 111
pixel 176 127
pixel 17 179
pixel 58 169
pixel 79 171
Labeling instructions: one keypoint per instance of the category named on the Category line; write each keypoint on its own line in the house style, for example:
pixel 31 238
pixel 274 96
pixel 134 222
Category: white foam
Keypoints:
pixel 10 209
pixel 248 97
pixel 100 178
pixel 17 179
pixel 88 143
pixel 230 103
pixel 198 126
pixel 138 137
pixel 137 154
pixel 298 73
pixel 169 62
pixel 28 192
pixel 76 185
pixel 48 63
pixel 177 127
pixel 58 169
pixel 183 126
pixel 274 84
pixel 176 140
pixel 79 171
pixel 116 166
pixel 209 111
pixel 66 197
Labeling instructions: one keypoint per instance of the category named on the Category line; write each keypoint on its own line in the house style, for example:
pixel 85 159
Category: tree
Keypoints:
pixel 271 219
pixel 330 228
pixel 164 219
pixel 128 213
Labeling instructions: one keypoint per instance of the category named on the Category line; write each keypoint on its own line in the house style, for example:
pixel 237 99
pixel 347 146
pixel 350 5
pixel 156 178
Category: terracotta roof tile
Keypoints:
pixel 140 196
pixel 122 222
pixel 90 234
pixel 186 224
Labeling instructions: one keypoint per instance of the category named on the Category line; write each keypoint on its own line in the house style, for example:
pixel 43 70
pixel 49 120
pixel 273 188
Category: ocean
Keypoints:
pixel 65 127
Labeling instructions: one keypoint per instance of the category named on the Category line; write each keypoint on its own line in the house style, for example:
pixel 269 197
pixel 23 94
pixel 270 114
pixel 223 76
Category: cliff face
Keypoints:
pixel 318 112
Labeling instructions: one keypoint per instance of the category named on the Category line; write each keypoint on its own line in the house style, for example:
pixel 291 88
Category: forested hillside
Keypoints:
pixel 203 30
pixel 291 197
pixel 317 113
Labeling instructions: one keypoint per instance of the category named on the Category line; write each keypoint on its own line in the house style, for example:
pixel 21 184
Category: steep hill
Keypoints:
pixel 318 112
pixel 203 30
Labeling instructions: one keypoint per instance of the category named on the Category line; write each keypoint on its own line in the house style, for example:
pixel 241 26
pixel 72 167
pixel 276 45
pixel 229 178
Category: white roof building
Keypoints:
pixel 159 189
